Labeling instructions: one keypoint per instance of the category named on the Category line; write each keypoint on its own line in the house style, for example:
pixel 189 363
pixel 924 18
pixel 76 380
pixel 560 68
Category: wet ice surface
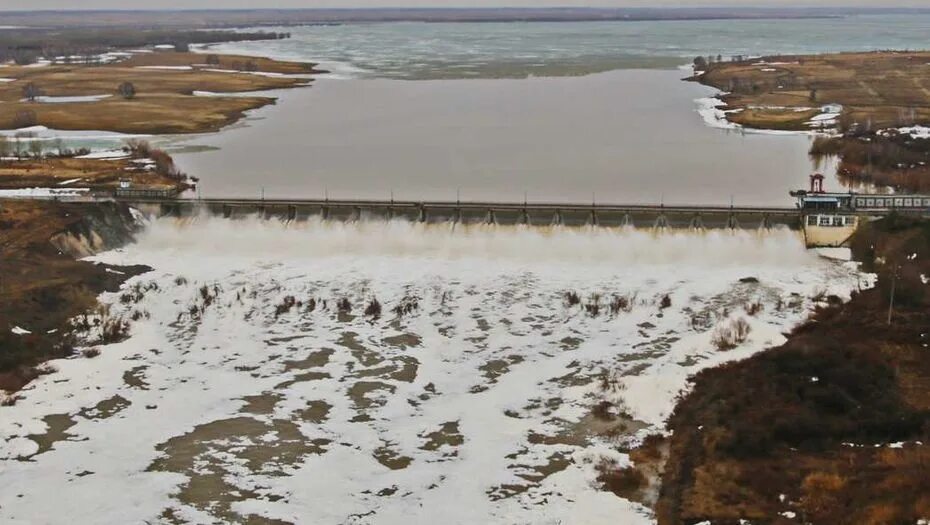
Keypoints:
pixel 255 388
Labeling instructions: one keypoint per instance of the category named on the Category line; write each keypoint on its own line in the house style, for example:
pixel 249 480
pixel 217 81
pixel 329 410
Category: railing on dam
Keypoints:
pixel 535 213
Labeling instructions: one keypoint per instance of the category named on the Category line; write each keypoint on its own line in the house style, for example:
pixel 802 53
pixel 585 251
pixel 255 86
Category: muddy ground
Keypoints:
pixel 43 285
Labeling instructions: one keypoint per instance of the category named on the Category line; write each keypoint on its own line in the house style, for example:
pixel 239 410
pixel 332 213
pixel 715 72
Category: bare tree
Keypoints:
pixel 127 90
pixel 5 147
pixel 31 92
pixel 19 143
pixel 35 148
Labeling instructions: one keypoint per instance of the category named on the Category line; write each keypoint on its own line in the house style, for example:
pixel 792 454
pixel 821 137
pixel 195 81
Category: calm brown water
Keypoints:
pixel 623 136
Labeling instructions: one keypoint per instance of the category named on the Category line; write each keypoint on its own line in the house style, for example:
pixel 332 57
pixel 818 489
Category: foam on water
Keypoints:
pixel 254 383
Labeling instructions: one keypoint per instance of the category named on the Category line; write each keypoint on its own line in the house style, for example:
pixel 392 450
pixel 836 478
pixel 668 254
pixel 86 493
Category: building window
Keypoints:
pixel 870 202
pixel 838 221
pixel 824 220
pixel 927 203
pixel 898 202
pixel 908 202
pixel 812 220
pixel 850 221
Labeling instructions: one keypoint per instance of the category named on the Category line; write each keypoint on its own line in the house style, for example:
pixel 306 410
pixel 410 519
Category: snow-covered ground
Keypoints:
pixel 46 193
pixel 471 403
pixel 68 100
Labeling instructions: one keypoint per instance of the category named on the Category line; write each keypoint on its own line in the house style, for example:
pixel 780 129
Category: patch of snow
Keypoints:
pixel 70 181
pixel 43 193
pixel 5 80
pixel 916 132
pixel 106 154
pixel 839 254
pixel 788 514
pixel 20 331
pixel 710 110
pixel 168 68
pixel 44 133
pixel 68 100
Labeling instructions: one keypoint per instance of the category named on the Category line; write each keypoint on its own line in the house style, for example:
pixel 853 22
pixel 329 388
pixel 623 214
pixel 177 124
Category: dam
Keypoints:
pixel 504 213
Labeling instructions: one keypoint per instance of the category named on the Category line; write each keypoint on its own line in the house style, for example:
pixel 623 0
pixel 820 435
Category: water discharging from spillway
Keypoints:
pixel 390 372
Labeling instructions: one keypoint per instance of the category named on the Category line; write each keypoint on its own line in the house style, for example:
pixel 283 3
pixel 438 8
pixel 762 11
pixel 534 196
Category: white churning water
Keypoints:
pixel 255 384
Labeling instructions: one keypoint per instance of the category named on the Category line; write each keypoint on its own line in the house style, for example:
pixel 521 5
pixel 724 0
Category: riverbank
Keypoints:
pixel 42 284
pixel 155 92
pixel 831 427
pixel 871 107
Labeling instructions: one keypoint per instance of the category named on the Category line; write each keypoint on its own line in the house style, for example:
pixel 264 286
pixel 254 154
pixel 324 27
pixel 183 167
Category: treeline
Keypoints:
pixel 26 46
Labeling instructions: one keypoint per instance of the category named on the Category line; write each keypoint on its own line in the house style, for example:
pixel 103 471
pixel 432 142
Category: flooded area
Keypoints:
pixel 626 136
pixel 389 372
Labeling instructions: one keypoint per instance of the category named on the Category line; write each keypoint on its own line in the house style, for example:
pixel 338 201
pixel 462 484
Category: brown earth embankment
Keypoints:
pixel 42 283
pixel 833 427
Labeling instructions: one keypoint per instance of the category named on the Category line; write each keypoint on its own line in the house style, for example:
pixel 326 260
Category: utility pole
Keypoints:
pixel 894 283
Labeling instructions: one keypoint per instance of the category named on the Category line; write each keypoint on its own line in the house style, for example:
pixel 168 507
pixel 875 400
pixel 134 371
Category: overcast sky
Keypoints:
pixel 240 4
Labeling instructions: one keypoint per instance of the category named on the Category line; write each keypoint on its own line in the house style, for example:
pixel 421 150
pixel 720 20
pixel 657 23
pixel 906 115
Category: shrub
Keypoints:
pixel 373 309
pixel 572 298
pixel 620 304
pixel 622 481
pixel 731 334
pixel 822 495
pixel 753 309
pixel 665 302
pixel 407 306
pixel 343 306
pixel 91 353
pixel 593 306
pixel 127 90
pixel 113 331
pixel 603 411
pixel 285 306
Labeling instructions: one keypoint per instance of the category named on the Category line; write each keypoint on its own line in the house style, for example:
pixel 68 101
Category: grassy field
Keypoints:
pixel 164 101
pixel 93 173
pixel 884 88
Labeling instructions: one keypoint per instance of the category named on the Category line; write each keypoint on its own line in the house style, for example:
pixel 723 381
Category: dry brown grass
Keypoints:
pixel 888 88
pixel 95 173
pixel 164 102
pixel 813 419
pixel 236 62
